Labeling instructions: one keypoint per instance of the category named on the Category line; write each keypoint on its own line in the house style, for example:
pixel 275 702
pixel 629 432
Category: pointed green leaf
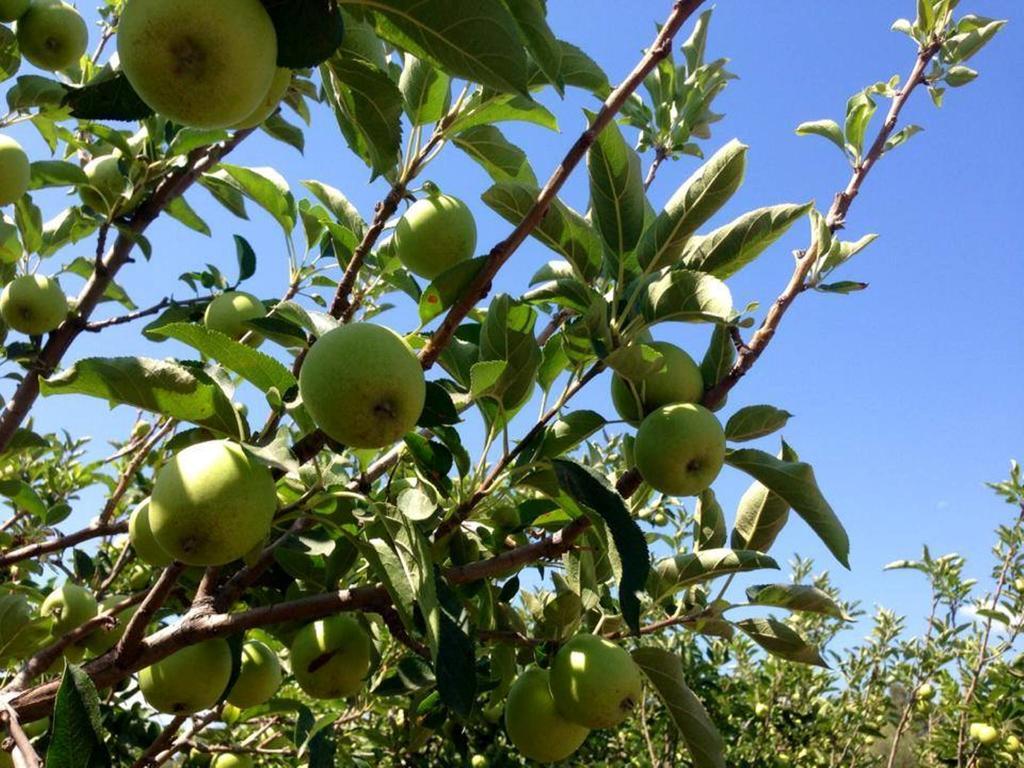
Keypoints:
pixel 675 573
pixel 780 640
pixel 77 736
pixel 616 190
pixel 500 158
pixel 687 296
pixel 828 129
pixel 755 421
pixel 425 89
pixel 794 597
pixel 708 523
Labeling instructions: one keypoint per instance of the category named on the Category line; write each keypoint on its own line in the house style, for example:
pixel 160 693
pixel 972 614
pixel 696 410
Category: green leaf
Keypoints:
pixel 56 173
pixel 308 31
pixel 794 597
pixel 718 358
pixel 84 267
pixel 454 667
pixel 476 40
pixel 168 388
pixel 664 670
pixel 425 89
pixel 728 249
pixel 246 258
pixel 616 190
pixel 21 633
pixel 546 53
pixel 755 421
pixel 686 296
pixel 179 210
pixel 977 33
pixel 708 522
pixel 507 334
pixel 780 640
pixel 483 376
pixel 703 194
pixel 859 111
pixel 485 108
pixel 570 430
pixel 112 98
pixel 415 504
pixel 368 107
pixel 684 570
pixel 259 369
pixel 562 229
pixel 580 71
pixel 760 517
pixel 268 189
pixel 339 205
pixel 901 136
pixel 35 91
pixel 500 158
pixel 844 287
pixel 590 490
pixel 438 410
pixel 23 498
pixel 828 129
pixel 448 287
pixel 794 482
pixel 76 736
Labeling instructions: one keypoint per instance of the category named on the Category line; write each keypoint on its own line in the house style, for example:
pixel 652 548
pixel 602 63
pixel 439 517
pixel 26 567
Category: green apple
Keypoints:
pixel 680 449
pixel 229 312
pixel 15 171
pixel 925 692
pixel 678 380
pixel 595 682
pixel 1019 584
pixel 984 734
pixel 12 10
pixel 141 537
pixel 278 88
pixel 212 503
pixel 232 760
pixel 363 385
pixel 479 761
pixel 102 640
pixel 259 677
pixel 106 184
pixel 199 63
pixel 33 304
pixel 1012 743
pixel 761 709
pixel 70 606
pixel 188 680
pixel 533 723
pixel 52 35
pixel 435 234
pixel 331 657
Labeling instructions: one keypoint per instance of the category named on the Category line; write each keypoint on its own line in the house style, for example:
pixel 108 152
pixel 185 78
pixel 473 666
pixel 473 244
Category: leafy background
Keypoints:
pixel 907 395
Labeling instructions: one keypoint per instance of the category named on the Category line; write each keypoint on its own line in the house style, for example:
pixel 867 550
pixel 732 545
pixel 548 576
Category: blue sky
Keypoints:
pixel 907 396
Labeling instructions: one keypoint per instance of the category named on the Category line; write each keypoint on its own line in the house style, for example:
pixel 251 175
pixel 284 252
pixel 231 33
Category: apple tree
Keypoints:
pixel 384 561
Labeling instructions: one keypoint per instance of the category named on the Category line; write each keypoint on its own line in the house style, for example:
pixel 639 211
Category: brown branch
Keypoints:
pixel 174 185
pixel 186 740
pixel 21 740
pixel 148 758
pixel 138 315
pixel 502 252
pixel 660 154
pixel 128 645
pixel 61 542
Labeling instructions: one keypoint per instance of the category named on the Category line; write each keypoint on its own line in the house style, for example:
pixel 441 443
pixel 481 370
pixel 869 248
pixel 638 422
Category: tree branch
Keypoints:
pixel 128 644
pixel 93 531
pixel 21 740
pixel 502 252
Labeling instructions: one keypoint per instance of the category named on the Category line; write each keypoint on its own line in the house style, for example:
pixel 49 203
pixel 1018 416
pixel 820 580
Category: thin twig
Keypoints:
pixel 21 740
pixel 148 758
pixel 61 542
pixel 128 645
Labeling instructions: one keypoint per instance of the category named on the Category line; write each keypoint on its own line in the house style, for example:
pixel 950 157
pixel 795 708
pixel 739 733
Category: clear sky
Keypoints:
pixel 907 396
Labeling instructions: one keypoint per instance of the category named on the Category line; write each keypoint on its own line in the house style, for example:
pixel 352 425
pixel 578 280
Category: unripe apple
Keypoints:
pixel 760 709
pixel 102 640
pixel 232 760
pixel 229 312
pixel 435 234
pixel 212 503
pixel 363 385
pixel 259 677
pixel 595 682
pixel 1019 584
pixel 52 35
pixel 188 680
pixel 1012 743
pixel 278 88
pixel 12 10
pixel 106 184
pixel 331 657
pixel 141 537
pixel 33 304
pixel 680 449
pixel 925 692
pixel 70 606
pixel 533 723
pixel 983 733
pixel 15 171
pixel 679 380
pixel 196 62
pixel 479 761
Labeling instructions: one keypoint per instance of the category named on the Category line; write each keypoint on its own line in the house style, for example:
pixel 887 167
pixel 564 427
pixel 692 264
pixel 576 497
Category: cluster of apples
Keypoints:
pixel 592 683
pixel 329 658
pixel 680 444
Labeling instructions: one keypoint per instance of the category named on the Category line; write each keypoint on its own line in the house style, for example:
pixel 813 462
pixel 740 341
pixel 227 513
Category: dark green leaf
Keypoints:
pixel 590 490
pixel 308 31
pixel 780 640
pixel 795 597
pixel 570 430
pixel 687 296
pixel 675 573
pixel 425 89
pixel 708 522
pixel 76 736
pixel 112 98
pixel 454 667
pixel 755 421
pixel 616 190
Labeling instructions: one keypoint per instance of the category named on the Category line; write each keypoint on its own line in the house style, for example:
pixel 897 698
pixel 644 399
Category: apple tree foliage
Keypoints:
pixel 462 570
